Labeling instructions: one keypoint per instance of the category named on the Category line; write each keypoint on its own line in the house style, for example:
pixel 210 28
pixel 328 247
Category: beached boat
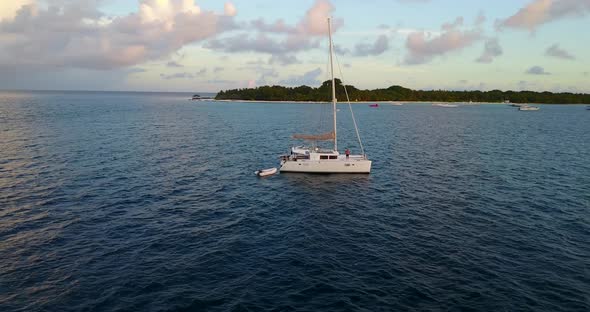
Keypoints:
pixel 316 159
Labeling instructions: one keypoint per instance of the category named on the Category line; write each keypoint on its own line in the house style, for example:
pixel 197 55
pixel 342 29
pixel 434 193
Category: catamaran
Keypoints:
pixel 314 159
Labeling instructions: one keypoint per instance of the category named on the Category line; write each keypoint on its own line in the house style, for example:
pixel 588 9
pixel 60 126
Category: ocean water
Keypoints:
pixel 148 202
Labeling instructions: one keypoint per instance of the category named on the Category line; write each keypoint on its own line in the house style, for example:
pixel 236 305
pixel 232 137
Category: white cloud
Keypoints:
pixel 423 47
pixel 279 38
pixel 539 12
pixel 314 22
pixel 76 34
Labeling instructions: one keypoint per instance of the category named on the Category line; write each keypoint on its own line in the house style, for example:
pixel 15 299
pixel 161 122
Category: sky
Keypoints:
pixel 208 45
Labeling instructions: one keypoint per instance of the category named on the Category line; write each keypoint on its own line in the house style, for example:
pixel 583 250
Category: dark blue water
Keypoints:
pixel 130 201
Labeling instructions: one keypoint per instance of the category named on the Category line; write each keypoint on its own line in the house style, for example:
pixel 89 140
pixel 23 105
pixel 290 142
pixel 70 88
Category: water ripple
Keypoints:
pixel 130 201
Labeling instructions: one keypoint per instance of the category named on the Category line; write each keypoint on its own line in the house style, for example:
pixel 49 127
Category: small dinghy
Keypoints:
pixel 528 108
pixel 265 172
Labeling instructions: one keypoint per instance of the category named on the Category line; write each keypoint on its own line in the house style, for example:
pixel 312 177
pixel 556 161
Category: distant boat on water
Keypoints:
pixel 447 105
pixel 528 108
pixel 374 105
pixel 198 97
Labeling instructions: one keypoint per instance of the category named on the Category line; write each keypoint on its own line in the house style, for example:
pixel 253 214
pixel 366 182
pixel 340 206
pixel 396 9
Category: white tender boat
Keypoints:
pixel 445 105
pixel 265 172
pixel 314 159
pixel 528 108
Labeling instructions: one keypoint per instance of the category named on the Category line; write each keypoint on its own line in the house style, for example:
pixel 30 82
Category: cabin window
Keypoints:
pixel 333 157
pixel 323 156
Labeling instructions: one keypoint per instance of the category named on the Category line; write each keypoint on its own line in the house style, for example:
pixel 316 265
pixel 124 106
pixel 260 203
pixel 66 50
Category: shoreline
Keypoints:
pixel 383 102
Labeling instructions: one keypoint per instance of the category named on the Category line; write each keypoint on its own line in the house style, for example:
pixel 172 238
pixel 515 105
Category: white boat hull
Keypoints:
pixel 446 105
pixel 352 165
pixel 266 172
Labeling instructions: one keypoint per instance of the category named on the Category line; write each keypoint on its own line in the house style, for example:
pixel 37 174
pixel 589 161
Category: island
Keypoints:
pixel 397 93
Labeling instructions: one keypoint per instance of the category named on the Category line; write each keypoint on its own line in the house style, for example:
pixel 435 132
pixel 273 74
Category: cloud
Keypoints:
pixel 279 38
pixel 555 51
pixel 283 59
pixel 265 74
pixel 77 34
pixel 314 22
pixel 340 50
pixel 423 47
pixel 9 9
pixel 229 9
pixel 261 43
pixel 177 76
pixel 492 50
pixel 539 12
pixel 173 64
pixel 537 70
pixel 309 78
pixel 377 48
pixel 278 26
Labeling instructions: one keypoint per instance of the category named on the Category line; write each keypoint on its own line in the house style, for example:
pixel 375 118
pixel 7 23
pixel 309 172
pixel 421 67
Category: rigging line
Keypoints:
pixel 356 129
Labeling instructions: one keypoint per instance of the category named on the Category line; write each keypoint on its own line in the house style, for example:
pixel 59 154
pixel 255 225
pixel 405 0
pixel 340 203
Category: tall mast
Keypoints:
pixel 333 84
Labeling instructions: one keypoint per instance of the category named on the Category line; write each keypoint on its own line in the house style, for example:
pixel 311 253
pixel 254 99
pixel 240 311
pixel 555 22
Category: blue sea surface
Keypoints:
pixel 148 202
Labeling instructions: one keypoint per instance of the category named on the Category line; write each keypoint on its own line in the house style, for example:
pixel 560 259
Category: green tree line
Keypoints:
pixel 397 93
